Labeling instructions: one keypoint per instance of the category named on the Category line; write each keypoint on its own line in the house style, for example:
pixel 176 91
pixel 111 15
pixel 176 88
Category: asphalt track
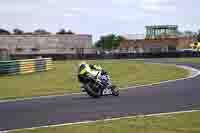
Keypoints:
pixel 168 97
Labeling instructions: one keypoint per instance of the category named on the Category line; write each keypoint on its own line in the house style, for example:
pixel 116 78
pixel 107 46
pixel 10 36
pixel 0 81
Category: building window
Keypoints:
pixel 19 49
pixel 171 48
pixel 71 49
pixel 156 50
pixel 80 50
pixel 35 49
pixel 4 55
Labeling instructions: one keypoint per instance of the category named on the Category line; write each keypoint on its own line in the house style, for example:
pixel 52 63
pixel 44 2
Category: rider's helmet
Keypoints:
pixel 82 65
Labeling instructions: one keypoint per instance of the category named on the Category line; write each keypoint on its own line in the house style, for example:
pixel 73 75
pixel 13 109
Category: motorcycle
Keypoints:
pixel 101 86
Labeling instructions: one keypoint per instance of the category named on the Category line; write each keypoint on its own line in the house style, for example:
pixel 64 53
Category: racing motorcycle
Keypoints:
pixel 101 86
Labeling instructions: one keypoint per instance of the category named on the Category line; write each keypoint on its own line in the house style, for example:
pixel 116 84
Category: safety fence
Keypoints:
pixel 178 54
pixel 25 66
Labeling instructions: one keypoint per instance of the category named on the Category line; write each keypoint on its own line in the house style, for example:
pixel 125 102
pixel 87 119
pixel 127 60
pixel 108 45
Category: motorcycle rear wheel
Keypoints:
pixel 91 92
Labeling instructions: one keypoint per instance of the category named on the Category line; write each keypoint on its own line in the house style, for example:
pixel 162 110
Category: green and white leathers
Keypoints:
pixel 92 70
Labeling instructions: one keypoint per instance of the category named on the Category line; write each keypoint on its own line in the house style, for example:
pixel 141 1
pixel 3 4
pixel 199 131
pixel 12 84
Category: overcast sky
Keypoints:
pixel 98 17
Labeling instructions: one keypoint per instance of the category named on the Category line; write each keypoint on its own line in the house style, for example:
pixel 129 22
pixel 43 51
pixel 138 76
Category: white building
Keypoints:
pixel 46 44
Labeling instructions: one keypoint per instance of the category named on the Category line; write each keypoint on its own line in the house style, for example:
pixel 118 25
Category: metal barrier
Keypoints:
pixel 176 54
pixel 25 66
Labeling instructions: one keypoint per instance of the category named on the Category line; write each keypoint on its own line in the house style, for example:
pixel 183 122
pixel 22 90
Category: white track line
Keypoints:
pixel 105 120
pixel 193 73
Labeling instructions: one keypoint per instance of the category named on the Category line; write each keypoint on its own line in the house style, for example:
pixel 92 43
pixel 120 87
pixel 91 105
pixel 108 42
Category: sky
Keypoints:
pixel 98 17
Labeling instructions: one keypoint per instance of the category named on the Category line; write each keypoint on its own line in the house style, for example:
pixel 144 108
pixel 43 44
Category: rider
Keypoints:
pixel 86 70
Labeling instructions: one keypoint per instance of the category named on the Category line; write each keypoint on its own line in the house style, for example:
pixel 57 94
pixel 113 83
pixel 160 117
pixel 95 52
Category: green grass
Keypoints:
pixel 63 78
pixel 192 60
pixel 179 123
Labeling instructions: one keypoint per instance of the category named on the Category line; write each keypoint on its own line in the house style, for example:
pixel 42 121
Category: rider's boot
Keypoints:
pixel 82 89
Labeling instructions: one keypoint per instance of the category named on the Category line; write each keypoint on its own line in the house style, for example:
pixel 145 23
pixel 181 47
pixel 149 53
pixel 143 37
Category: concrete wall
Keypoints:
pixel 45 43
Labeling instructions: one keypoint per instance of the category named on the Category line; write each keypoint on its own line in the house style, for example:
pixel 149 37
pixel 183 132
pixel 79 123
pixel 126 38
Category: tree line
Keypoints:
pixel 191 34
pixel 37 31
pixel 112 41
pixel 109 42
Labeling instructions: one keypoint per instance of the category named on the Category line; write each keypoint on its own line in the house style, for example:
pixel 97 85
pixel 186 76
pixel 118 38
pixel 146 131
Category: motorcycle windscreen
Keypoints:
pixel 94 73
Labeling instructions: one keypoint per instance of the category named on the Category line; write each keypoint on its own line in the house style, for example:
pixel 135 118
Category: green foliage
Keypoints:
pixel 70 32
pixel 4 32
pixel 18 31
pixel 41 31
pixel 63 31
pixel 109 42
pixel 198 36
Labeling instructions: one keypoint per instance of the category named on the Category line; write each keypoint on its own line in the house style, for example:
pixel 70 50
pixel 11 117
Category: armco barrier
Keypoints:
pixel 25 66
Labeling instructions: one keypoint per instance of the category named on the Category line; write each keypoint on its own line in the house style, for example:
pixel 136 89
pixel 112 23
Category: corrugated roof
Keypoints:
pixel 134 36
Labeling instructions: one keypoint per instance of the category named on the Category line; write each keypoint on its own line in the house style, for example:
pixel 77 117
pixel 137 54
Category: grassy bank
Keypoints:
pixel 63 78
pixel 179 123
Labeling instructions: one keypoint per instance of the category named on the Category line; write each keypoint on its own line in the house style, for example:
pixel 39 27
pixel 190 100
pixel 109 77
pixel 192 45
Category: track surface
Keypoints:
pixel 168 97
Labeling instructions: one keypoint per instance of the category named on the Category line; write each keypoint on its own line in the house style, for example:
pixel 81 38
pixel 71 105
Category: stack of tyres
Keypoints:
pixel 25 66
pixel 40 65
pixel 9 67
pixel 49 64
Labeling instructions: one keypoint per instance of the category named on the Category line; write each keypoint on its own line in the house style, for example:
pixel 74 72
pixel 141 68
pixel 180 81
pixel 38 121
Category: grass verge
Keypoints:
pixel 63 78
pixel 176 123
pixel 192 60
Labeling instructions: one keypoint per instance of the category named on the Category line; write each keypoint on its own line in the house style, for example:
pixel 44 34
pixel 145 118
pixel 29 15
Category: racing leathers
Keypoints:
pixel 85 71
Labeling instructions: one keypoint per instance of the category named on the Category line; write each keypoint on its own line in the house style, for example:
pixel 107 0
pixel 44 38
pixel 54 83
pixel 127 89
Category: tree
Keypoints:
pixel 70 32
pixel 61 31
pixel 109 42
pixel 4 32
pixel 118 40
pixel 189 33
pixel 198 36
pixel 41 31
pixel 28 33
pixel 18 31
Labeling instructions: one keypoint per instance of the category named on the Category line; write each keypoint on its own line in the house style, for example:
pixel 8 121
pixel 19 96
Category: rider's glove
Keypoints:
pixel 104 72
